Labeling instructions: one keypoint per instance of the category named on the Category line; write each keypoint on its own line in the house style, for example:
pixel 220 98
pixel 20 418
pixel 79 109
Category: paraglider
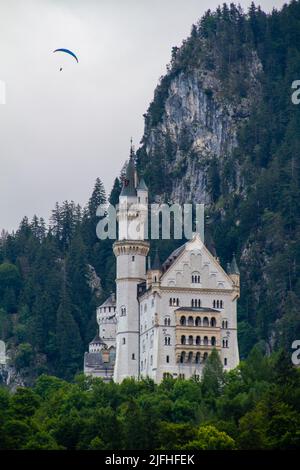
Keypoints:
pixel 66 51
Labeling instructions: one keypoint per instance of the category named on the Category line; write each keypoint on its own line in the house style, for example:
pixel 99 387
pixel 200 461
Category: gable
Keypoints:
pixel 195 260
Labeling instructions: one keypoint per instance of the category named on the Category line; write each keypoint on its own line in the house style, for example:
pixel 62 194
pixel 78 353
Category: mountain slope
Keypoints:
pixel 222 130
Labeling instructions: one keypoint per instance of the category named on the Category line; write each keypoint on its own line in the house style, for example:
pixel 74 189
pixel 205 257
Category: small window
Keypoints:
pixel 151 360
pixel 132 258
pixel 167 359
pixel 225 361
pixel 124 340
pixel 133 357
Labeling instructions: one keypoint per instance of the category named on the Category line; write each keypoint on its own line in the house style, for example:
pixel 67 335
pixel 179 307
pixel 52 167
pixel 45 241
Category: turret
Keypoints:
pixel 234 272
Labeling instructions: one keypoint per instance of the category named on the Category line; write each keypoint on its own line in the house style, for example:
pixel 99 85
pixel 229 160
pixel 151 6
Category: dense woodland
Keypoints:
pixel 256 406
pixel 53 277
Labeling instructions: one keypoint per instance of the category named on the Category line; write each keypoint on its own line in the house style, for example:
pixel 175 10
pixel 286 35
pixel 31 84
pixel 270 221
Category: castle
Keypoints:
pixel 166 319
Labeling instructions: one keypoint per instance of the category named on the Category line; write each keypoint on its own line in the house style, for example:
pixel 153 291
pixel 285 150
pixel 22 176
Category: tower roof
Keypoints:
pixel 156 262
pixel 142 185
pixel 128 188
pixel 234 267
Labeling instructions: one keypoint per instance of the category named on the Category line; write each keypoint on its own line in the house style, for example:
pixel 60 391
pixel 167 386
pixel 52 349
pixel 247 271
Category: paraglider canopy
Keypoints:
pixel 67 51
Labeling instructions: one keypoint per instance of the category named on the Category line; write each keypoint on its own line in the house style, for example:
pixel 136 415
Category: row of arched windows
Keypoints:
pixel 196 303
pixel 190 321
pixel 174 302
pixel 191 340
pixel 218 304
pixel 195 279
pixel 191 357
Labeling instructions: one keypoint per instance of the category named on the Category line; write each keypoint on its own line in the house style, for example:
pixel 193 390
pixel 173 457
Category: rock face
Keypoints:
pixel 197 131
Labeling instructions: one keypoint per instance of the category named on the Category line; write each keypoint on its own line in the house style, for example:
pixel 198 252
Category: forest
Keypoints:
pixel 256 406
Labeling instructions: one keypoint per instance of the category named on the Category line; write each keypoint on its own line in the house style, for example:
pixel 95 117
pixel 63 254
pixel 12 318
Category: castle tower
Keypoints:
pixel 131 251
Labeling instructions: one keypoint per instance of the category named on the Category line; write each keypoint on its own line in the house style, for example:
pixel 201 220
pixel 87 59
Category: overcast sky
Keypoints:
pixel 60 130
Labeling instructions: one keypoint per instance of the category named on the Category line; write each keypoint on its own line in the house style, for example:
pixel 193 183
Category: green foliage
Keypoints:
pixel 257 407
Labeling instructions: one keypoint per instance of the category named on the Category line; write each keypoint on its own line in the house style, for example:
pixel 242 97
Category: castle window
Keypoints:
pixel 190 340
pixel 124 341
pixel 221 303
pixel 167 359
pixel 225 361
pixel 205 321
pixel 167 340
pixel 181 376
pixel 170 302
pixel 123 311
pixel 199 303
pixel 197 359
pixel 191 321
pixel 190 356
pixel 205 355
pixel 151 360
pixel 132 258
pixel 167 321
pixel 133 357
pixel 182 358
pixel 177 302
pixel 214 304
pixel 195 278
pixel 183 339
pixel 213 322
pixel 218 304
pixel 182 321
pixel 192 303
pixel 213 341
pixel 198 340
pixel 226 343
pixel 205 340
pixel 198 321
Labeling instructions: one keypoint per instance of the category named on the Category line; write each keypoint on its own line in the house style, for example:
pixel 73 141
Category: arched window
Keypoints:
pixel 225 361
pixel 221 303
pixel 213 341
pixel 182 357
pixel 213 322
pixel 192 302
pixel 198 340
pixel 197 359
pixel 226 324
pixel 170 302
pixel 217 304
pixel 182 321
pixel 214 304
pixel 198 321
pixel 199 303
pixel 190 340
pixel 226 343
pixel 190 356
pixel 223 324
pixel 205 321
pixel 123 311
pixel 223 343
pixel 195 278
pixel 169 340
pixel 205 356
pixel 183 339
pixel 191 321
pixel 205 340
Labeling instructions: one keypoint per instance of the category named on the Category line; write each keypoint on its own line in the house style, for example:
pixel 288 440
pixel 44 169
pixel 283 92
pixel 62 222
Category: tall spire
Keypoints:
pixel 156 262
pixel 129 183
pixel 234 266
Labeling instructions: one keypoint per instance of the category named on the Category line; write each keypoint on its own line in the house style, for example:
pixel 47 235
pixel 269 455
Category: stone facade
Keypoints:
pixel 167 319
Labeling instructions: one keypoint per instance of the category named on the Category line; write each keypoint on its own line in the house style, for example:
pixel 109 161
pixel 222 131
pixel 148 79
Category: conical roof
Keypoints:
pixel 156 262
pixel 234 266
pixel 142 185
pixel 128 188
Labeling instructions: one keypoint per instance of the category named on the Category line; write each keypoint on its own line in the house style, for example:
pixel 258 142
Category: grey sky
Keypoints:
pixel 60 130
